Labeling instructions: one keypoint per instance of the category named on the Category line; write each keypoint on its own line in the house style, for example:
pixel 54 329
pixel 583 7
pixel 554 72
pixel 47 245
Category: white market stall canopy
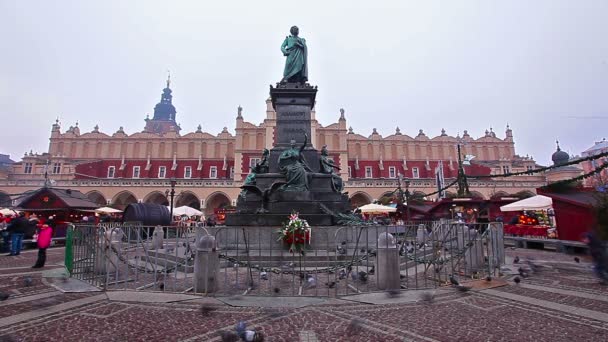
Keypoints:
pixel 107 210
pixel 186 210
pixel 538 202
pixel 376 208
pixel 7 211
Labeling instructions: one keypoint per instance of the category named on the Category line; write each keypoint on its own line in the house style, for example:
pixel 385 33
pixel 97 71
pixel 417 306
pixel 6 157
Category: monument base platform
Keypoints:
pixel 265 220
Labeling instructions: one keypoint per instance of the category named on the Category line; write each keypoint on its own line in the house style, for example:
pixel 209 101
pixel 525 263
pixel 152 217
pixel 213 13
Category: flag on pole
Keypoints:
pixel 439 177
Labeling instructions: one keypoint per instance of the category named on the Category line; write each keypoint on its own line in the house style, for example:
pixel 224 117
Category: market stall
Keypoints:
pixel 534 219
pixel 65 205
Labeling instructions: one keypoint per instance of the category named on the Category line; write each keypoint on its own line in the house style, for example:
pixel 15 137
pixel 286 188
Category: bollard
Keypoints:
pixel 69 249
pixel 474 255
pixel 206 265
pixel 387 263
pixel 421 234
pixel 158 238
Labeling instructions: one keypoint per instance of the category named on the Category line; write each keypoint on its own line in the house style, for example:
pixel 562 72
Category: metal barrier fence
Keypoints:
pixel 338 261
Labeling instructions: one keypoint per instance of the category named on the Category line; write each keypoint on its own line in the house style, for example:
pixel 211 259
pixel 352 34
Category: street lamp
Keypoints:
pixel 407 198
pixel 463 185
pixel 404 196
pixel 173 182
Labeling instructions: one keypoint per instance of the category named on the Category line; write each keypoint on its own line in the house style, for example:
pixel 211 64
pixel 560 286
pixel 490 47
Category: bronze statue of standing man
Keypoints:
pixel 296 65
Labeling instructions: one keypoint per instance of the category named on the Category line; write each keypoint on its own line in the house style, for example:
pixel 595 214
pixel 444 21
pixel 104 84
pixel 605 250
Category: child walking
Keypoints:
pixel 44 241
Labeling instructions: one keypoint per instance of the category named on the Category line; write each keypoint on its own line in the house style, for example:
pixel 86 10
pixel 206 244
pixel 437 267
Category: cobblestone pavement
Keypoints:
pixel 561 302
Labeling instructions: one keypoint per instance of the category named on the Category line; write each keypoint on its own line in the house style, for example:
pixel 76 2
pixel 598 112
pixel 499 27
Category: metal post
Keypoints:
pixel 172 193
pixel 407 198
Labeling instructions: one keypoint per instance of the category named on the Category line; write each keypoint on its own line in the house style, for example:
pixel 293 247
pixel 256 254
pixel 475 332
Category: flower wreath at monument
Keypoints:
pixel 295 234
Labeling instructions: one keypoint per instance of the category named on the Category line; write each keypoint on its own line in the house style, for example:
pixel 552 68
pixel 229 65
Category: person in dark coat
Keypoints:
pixel 598 254
pixel 17 229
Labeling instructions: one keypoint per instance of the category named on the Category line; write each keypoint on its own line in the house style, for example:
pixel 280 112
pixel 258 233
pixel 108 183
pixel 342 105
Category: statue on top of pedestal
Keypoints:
pixel 296 65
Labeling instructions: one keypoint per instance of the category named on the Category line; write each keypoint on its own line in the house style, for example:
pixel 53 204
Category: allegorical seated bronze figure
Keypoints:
pixel 327 167
pixel 293 166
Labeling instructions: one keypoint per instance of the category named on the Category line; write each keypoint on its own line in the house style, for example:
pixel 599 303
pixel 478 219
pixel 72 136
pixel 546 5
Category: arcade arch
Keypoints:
pixel 97 197
pixel 216 200
pixel 122 199
pixel 5 199
pixel 499 194
pixel 525 194
pixel 156 197
pixel 189 199
pixel 360 198
pixel 477 194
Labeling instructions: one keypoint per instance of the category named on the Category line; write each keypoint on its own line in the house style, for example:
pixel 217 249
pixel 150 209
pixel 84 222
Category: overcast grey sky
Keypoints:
pixel 541 66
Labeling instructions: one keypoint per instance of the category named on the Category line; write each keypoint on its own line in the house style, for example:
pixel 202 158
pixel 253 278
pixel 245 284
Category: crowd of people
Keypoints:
pixel 14 228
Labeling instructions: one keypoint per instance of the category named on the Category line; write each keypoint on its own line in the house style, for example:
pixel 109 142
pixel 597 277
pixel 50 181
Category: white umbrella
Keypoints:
pixel 186 210
pixel 7 211
pixel 538 202
pixel 376 208
pixel 107 210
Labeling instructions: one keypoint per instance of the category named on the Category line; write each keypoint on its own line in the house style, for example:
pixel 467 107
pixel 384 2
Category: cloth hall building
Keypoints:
pixel 119 168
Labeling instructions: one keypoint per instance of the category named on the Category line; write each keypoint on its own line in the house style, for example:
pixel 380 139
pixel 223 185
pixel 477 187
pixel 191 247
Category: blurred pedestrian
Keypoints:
pixel 598 254
pixel 17 229
pixel 44 241
pixel 6 238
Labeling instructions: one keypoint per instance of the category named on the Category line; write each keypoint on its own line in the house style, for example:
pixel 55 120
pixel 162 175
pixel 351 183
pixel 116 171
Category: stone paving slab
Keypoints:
pixel 551 305
pixel 148 297
pixel 70 285
pixel 554 305
pixel 379 298
pixel 26 316
pixel 271 302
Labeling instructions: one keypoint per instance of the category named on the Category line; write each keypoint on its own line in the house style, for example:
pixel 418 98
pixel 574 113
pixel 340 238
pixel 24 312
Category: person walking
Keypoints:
pixel 598 254
pixel 44 241
pixel 17 229
pixel 5 234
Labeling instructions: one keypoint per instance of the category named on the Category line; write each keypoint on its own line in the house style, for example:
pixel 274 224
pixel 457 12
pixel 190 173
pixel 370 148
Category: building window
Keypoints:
pixel 232 172
pixel 111 171
pixel 56 168
pixel 505 169
pixel 162 172
pixel 253 162
pixel 135 171
pixel 529 167
pixel 392 172
pixel 188 172
pixel 415 173
pixel 213 172
pixel 27 168
pixel 368 172
pixel 350 172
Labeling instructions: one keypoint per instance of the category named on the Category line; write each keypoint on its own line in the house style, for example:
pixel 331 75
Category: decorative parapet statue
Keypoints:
pixel 293 166
pixel 296 65
pixel 327 167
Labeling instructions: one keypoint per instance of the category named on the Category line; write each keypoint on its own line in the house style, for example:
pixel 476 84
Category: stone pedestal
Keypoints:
pixel 206 265
pixel 474 255
pixel 158 238
pixel 106 256
pixel 387 263
pixel 293 103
